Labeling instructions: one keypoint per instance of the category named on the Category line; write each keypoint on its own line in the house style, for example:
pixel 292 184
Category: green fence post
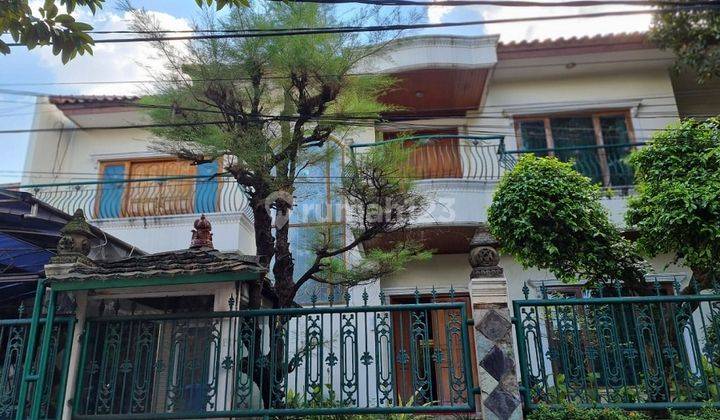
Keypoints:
pixel 44 353
pixel 30 350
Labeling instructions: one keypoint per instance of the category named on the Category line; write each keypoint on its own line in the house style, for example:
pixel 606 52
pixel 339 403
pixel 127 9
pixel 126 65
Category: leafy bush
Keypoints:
pixel 707 413
pixel 549 216
pixel 570 412
pixel 328 399
pixel 677 205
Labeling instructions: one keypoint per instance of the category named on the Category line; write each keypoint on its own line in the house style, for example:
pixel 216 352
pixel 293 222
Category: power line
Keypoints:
pixel 513 3
pixel 357 122
pixel 374 28
pixel 235 79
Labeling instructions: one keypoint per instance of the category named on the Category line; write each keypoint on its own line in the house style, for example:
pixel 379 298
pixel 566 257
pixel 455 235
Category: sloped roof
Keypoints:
pixel 574 45
pixel 91 99
pixel 165 264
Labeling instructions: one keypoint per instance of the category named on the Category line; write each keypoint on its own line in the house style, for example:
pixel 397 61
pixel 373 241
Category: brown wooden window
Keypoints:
pixel 156 197
pixel 597 142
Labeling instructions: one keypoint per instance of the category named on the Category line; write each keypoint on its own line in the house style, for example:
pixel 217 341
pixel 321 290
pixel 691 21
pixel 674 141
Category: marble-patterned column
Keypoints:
pixel 498 382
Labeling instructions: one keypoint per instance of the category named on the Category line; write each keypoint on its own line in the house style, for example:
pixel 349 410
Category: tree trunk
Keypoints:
pixel 264 243
pixel 284 267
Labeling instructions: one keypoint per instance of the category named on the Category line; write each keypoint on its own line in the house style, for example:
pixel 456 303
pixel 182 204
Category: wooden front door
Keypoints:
pixel 429 363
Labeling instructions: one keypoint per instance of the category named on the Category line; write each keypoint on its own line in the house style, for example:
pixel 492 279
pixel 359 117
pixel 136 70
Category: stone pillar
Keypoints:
pixel 498 382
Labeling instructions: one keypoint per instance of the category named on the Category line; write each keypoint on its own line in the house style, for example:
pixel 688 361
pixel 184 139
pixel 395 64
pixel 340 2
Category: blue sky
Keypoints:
pixel 24 70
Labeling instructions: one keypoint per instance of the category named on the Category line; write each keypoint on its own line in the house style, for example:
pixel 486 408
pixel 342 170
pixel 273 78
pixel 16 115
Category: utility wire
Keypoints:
pixel 540 104
pixel 241 78
pixel 513 3
pixel 375 28
pixel 358 122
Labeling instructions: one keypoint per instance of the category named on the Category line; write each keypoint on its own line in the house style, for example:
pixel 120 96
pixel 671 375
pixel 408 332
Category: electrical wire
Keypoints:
pixel 512 3
pixel 376 28
pixel 237 79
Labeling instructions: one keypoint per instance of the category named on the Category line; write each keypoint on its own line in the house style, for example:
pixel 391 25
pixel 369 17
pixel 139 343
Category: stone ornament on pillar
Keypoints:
pixel 500 394
pixel 74 243
pixel 484 258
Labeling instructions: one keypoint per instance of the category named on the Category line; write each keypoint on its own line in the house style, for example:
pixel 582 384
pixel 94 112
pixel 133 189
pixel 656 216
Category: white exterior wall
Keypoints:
pixel 444 271
pixel 75 156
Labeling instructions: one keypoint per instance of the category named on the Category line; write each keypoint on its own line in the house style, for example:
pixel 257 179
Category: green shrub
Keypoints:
pixel 570 412
pixel 547 215
pixel 707 413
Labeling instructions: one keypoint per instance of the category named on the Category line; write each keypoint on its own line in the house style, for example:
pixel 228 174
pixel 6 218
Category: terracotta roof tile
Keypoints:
pixel 574 45
pixel 577 41
pixel 83 99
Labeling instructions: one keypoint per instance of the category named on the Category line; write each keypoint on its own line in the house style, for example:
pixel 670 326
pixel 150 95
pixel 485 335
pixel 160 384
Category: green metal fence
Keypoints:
pixel 652 352
pixel 13 349
pixel 319 360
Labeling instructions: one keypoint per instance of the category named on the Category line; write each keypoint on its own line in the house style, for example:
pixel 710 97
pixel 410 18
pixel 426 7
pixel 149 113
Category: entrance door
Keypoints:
pixel 429 360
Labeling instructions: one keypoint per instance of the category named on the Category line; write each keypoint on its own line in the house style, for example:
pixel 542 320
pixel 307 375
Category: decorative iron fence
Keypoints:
pixel 13 348
pixel 408 358
pixel 653 352
pixel 144 197
pixel 605 165
pixel 445 156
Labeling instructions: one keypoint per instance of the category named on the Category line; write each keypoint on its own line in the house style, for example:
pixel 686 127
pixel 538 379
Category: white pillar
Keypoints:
pixel 74 364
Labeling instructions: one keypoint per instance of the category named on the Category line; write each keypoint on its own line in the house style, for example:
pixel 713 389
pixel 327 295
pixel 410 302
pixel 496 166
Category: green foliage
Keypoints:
pixel 692 34
pixel 570 412
pixel 68 36
pixel 329 400
pixel 677 205
pixel 707 413
pixel 270 107
pixel 549 216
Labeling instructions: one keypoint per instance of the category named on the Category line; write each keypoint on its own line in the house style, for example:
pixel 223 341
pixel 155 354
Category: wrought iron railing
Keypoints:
pixel 13 348
pixel 652 352
pixel 451 156
pixel 144 197
pixel 371 359
pixel 605 165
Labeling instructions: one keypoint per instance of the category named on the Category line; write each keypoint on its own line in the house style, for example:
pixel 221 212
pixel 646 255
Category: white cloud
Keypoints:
pixel 548 29
pixel 112 61
pixel 436 14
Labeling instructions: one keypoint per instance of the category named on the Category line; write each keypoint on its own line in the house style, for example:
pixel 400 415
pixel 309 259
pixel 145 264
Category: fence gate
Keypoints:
pixel 13 350
pixel 319 360
pixel 652 352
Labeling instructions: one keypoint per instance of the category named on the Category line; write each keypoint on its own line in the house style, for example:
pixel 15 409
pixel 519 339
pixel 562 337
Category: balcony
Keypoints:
pixel 144 197
pixel 458 175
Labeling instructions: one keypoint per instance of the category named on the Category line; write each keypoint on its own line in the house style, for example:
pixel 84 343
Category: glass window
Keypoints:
pixel 574 140
pixel 532 133
pixel 318 213
pixel 596 143
pixel 615 136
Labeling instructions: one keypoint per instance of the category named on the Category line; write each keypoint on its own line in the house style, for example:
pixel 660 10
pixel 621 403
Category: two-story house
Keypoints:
pixel 474 105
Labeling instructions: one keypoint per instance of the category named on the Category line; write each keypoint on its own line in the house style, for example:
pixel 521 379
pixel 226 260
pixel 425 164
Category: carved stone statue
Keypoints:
pixel 202 234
